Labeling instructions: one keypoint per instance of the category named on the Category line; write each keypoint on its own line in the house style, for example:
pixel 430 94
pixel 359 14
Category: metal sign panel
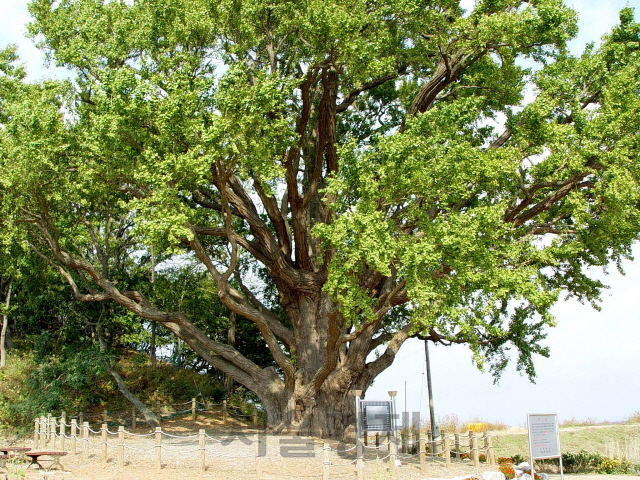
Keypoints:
pixel 544 439
pixel 376 416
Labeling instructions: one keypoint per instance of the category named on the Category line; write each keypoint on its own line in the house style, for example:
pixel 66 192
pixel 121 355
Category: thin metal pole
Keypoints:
pixel 430 388
pixel 405 416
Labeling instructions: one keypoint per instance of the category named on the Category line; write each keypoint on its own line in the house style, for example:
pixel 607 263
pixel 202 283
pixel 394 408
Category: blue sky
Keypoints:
pixel 594 368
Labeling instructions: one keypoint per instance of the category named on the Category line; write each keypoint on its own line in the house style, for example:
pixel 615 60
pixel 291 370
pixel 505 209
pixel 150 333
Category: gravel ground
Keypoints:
pixel 231 454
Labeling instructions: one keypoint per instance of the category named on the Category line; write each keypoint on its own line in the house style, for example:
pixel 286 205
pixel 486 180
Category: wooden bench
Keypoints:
pixel 55 458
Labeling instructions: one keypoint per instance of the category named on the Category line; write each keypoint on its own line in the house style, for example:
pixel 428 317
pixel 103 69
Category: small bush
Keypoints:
pixel 613 466
pixel 581 462
pixel 478 427
pixel 634 417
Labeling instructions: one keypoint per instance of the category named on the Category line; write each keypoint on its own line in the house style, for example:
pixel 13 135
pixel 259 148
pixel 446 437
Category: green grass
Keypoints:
pixel 622 441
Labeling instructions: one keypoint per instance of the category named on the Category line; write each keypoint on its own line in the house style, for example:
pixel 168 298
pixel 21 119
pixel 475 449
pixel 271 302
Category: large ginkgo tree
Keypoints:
pixel 350 174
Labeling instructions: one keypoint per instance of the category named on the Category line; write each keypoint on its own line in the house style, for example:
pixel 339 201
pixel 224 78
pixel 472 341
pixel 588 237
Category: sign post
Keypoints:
pixel 376 416
pixel 544 439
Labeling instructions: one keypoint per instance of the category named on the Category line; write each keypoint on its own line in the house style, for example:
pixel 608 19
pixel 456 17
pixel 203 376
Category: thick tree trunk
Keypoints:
pixel 330 413
pixel 325 407
pixel 5 329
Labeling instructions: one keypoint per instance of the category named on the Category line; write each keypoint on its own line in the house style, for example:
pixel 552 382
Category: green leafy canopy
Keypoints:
pixel 345 147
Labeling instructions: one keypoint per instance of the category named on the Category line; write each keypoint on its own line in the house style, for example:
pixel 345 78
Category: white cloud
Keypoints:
pixel 13 30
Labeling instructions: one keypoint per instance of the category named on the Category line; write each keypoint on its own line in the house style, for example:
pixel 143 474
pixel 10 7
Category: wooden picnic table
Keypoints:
pixel 7 453
pixel 8 450
pixel 3 459
pixel 55 460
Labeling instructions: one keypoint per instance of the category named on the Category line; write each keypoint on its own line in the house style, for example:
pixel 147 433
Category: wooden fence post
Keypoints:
pixel 36 433
pixel 394 454
pixel 474 450
pixel 447 451
pixel 377 439
pixel 74 440
pixel 81 418
pixel 158 448
pixel 202 450
pixel 52 432
pixel 85 436
pixel 63 430
pixel 224 412
pixel 121 446
pixel 103 438
pixel 403 445
pixel 422 455
pixel 326 462
pixel 105 416
pixel 193 410
pixel 47 430
pixel 133 417
pixel 490 453
pixel 258 459
pixel 457 445
pixel 43 433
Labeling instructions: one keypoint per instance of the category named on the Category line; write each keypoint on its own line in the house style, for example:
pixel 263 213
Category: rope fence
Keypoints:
pixel 108 444
pixel 162 412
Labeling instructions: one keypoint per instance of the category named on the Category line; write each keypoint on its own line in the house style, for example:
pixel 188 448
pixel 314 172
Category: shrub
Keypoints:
pixel 613 466
pixel 478 427
pixel 581 462
pixel 634 417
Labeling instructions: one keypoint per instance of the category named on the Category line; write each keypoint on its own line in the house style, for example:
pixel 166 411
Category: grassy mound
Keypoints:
pixel 30 386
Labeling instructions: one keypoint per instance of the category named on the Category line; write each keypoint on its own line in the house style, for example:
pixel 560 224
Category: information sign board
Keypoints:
pixel 544 441
pixel 376 416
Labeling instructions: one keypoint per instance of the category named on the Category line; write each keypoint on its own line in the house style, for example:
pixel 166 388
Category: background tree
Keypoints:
pixel 341 152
